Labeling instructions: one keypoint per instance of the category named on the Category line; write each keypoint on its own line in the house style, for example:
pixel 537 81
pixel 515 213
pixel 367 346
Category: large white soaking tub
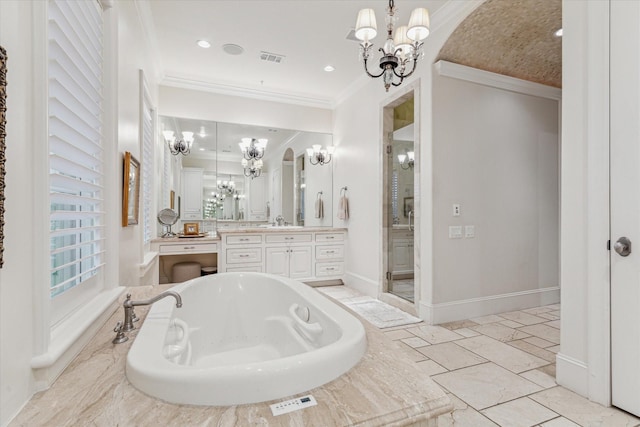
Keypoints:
pixel 242 338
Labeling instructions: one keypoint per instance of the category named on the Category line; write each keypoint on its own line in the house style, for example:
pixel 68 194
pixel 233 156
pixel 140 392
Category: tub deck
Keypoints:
pixel 382 390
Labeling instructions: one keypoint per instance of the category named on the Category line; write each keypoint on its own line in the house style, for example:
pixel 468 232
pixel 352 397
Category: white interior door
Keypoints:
pixel 625 204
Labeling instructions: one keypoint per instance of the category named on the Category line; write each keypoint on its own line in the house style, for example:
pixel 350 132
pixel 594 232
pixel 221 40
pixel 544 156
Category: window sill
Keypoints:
pixel 147 262
pixel 71 335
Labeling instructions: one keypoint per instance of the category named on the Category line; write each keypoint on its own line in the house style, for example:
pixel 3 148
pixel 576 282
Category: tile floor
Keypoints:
pixel 498 370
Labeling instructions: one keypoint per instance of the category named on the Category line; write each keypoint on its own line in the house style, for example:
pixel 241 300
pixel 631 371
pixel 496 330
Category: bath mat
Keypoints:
pixel 380 314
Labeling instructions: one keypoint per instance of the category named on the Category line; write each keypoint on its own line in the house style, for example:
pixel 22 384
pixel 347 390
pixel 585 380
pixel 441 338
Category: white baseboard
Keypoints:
pixel 362 284
pixel 476 307
pixel 572 374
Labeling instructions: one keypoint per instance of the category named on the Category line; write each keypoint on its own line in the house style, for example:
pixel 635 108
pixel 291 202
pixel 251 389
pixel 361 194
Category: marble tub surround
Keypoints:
pixel 382 390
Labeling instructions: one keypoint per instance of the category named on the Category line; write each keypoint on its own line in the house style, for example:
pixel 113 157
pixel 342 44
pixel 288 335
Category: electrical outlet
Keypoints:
pixel 455 232
pixel 469 231
pixel 456 209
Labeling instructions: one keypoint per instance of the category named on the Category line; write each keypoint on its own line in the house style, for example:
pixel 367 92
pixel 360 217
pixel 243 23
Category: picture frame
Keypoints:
pixel 191 229
pixel 172 199
pixel 407 205
pixel 130 190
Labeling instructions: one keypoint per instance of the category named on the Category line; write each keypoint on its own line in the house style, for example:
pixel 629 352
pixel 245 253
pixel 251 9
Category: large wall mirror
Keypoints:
pixel 236 190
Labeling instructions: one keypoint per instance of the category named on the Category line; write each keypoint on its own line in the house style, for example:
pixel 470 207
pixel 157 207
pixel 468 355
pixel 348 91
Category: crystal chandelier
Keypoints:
pixel 400 49
pixel 252 168
pixel 178 146
pixel 252 148
pixel 226 186
pixel 406 160
pixel 317 155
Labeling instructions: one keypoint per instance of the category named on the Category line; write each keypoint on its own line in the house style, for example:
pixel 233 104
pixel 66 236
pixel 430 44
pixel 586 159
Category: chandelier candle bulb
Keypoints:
pixel 418 24
pixel 366 28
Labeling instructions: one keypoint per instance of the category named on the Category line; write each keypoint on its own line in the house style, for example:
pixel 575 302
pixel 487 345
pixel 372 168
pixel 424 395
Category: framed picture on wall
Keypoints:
pixel 130 190
pixel 407 206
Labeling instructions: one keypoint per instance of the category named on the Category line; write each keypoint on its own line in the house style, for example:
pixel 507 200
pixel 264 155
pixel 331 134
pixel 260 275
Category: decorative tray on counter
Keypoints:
pixel 190 236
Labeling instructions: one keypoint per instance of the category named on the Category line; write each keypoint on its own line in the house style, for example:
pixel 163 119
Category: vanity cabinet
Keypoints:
pixel 402 252
pixel 305 254
pixel 191 208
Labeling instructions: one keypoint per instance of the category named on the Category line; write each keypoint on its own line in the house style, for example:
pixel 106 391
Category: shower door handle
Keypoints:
pixel 410 214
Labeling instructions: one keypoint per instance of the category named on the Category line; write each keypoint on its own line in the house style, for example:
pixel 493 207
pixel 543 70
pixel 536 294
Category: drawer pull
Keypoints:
pixel 244 239
pixel 330 237
pixel 330 252
pixel 189 247
pixel 243 255
pixel 330 268
pixel 288 238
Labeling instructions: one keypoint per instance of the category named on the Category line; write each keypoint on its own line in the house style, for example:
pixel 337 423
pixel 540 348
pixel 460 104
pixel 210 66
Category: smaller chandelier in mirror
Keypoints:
pixel 253 148
pixel 252 168
pixel 318 155
pixel 406 160
pixel 178 146
pixel 226 186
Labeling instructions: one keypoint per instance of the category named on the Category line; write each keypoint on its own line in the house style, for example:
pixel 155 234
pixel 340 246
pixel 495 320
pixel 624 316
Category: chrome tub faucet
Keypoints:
pixel 130 316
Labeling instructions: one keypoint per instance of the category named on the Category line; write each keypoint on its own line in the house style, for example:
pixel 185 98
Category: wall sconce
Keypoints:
pixel 319 156
pixel 406 160
pixel 179 146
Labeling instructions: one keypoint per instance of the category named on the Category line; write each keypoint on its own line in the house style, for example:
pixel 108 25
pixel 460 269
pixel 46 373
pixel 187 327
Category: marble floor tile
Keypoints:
pixel 537 310
pixel 463 416
pixel 415 342
pixel 500 332
pixel 554 324
pixel 554 349
pixel 467 333
pixel 549 369
pixel 511 324
pixel 502 354
pixel 555 313
pixel 431 368
pixel 522 412
pixel 451 356
pixel 398 334
pixel 414 355
pixel 543 331
pixel 434 334
pixel 542 353
pixel 549 316
pixel 540 378
pixel 492 318
pixel 458 324
pixel 553 306
pixel 524 318
pixel 582 411
pixel 485 385
pixel 559 422
pixel 539 342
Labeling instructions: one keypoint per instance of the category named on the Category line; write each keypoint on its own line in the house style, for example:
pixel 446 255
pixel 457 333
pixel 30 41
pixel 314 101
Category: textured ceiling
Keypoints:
pixel 511 37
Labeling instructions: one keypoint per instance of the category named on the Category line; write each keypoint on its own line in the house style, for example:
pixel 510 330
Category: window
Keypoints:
pixel 75 152
pixel 147 169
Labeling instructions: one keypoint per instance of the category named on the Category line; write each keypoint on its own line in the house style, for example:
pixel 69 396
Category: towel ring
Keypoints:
pixel 343 191
pixel 319 196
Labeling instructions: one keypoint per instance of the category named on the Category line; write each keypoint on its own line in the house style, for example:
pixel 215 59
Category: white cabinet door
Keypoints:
pixel 191 194
pixel 300 262
pixel 402 256
pixel 258 198
pixel 277 261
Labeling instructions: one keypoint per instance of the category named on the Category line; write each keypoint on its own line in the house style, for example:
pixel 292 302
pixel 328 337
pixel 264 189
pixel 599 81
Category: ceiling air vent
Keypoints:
pixel 271 57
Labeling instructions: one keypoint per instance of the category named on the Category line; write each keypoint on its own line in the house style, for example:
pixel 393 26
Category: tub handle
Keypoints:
pixel 311 330
pixel 174 350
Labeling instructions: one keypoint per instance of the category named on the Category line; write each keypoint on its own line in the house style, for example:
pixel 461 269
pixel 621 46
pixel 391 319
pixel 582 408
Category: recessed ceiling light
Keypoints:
pixel 232 49
pixel 204 44
pixel 329 68
pixel 558 33
pixel 201 149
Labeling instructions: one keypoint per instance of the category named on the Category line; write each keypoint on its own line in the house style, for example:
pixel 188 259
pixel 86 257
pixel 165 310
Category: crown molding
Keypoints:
pixel 228 89
pixel 499 81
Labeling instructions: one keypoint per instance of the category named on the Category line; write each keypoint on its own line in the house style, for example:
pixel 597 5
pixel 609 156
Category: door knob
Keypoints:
pixel 623 246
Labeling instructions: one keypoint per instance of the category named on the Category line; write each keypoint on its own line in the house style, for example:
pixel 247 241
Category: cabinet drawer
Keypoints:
pixel 192 215
pixel 243 239
pixel 244 255
pixel 329 237
pixel 324 269
pixel 329 252
pixel 288 238
pixel 402 234
pixel 189 248
pixel 249 268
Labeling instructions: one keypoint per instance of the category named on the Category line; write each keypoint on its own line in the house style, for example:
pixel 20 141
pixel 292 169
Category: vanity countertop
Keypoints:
pixel 283 229
pixel 384 389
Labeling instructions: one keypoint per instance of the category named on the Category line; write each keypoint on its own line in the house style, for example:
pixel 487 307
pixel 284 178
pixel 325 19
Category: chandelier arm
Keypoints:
pixel 405 75
pixel 368 73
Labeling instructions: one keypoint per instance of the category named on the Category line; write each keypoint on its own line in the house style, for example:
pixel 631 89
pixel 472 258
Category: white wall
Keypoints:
pixel 133 55
pixel 495 152
pixel 16 276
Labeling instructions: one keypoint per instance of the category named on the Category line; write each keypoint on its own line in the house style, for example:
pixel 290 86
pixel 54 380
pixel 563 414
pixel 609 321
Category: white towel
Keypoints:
pixel 343 208
pixel 319 208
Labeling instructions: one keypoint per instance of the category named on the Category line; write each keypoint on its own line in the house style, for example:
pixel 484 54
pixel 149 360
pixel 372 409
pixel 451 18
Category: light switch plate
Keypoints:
pixel 456 209
pixel 469 231
pixel 455 232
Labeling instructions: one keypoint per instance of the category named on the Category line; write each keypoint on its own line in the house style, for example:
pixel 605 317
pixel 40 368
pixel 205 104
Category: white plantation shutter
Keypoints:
pixel 147 168
pixel 75 144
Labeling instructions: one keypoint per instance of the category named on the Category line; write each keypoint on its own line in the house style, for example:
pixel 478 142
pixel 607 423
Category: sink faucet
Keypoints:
pixel 280 220
pixel 129 315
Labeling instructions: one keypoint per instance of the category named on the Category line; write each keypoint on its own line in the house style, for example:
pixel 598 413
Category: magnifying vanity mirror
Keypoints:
pixel 245 175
